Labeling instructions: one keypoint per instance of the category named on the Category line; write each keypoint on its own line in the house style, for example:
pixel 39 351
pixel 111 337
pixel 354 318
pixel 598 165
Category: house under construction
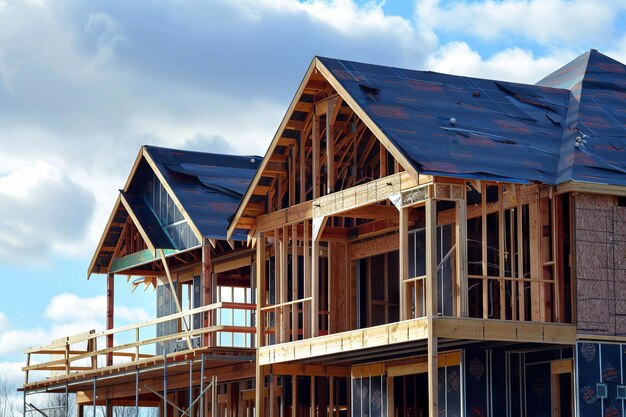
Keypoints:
pixel 412 244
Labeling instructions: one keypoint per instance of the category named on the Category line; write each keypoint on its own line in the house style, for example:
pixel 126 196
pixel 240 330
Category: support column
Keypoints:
pixel 315 285
pixel 404 263
pixel 110 314
pixel 433 377
pixel 207 290
pixel 431 255
pixel 461 256
pixel 259 398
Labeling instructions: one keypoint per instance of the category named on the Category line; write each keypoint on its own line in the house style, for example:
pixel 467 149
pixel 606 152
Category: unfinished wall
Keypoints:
pixel 600 239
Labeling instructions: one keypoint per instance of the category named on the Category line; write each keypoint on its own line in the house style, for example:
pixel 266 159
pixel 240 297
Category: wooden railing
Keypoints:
pixel 88 354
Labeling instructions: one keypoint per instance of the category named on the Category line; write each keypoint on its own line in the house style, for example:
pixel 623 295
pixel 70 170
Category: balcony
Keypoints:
pixel 137 344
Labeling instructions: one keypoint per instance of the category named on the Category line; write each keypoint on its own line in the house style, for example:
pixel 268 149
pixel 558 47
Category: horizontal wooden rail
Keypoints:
pixel 275 306
pixel 528 280
pixel 67 355
pixel 81 337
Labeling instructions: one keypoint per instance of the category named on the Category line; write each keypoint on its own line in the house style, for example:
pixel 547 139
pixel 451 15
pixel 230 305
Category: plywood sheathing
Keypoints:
pixel 600 235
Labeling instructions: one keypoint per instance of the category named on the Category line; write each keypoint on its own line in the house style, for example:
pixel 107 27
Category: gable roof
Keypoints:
pixel 447 125
pixel 204 187
pixel 207 186
pixel 460 126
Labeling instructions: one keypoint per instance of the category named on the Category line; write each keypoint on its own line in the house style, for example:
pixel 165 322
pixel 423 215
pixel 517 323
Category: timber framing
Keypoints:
pixel 416 330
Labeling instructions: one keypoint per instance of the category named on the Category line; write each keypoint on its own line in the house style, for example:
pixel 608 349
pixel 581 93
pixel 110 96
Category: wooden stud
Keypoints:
pixel 207 290
pixel 316 156
pixel 433 375
pixel 405 303
pixel 306 306
pixel 485 282
pixel 501 253
pixel 461 255
pixel 520 259
pixel 330 149
pixel 535 260
pixel 294 281
pixel 431 255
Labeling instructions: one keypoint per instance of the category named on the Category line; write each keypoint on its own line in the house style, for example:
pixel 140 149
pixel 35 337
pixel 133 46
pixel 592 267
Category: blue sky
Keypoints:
pixel 83 84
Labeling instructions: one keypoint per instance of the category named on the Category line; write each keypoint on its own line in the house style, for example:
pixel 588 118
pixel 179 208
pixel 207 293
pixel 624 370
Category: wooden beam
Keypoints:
pixel 310 370
pixel 286 216
pixel 363 195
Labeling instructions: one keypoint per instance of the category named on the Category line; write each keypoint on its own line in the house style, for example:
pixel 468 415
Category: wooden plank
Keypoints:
pixel 403 243
pixel 373 247
pixel 310 370
pixel 485 283
pixel 593 188
pixel 461 256
pixel 433 374
pixel 260 322
pixel 535 268
pixel 315 283
pixel 362 195
pixel 521 303
pixel 286 216
pixel 501 253
pixel 353 340
pixel 431 256
pixel 330 147
pixel 316 156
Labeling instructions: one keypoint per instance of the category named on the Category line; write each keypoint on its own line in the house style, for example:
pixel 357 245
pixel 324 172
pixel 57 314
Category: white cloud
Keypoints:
pixel 512 64
pixel 66 315
pixel 548 22
pixel 72 309
pixel 41 211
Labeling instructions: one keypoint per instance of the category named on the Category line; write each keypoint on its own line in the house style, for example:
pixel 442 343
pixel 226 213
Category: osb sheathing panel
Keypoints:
pixel 600 235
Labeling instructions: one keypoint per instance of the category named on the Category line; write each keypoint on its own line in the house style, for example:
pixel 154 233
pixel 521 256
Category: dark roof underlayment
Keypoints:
pixel 484 129
pixel 208 186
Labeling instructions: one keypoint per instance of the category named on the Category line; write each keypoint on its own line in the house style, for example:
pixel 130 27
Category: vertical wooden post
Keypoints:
pixel 501 253
pixel 433 377
pixel 520 257
pixel 313 399
pixel 292 175
pixel 302 167
pixel 207 291
pixel 330 149
pixel 110 314
pixel 431 255
pixel 260 322
pixel 315 154
pixel 284 285
pixel 306 306
pixel 485 281
pixel 294 281
pixel 294 395
pixel 535 260
pixel 461 255
pixel 383 161
pixel 315 282
pixel 404 263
